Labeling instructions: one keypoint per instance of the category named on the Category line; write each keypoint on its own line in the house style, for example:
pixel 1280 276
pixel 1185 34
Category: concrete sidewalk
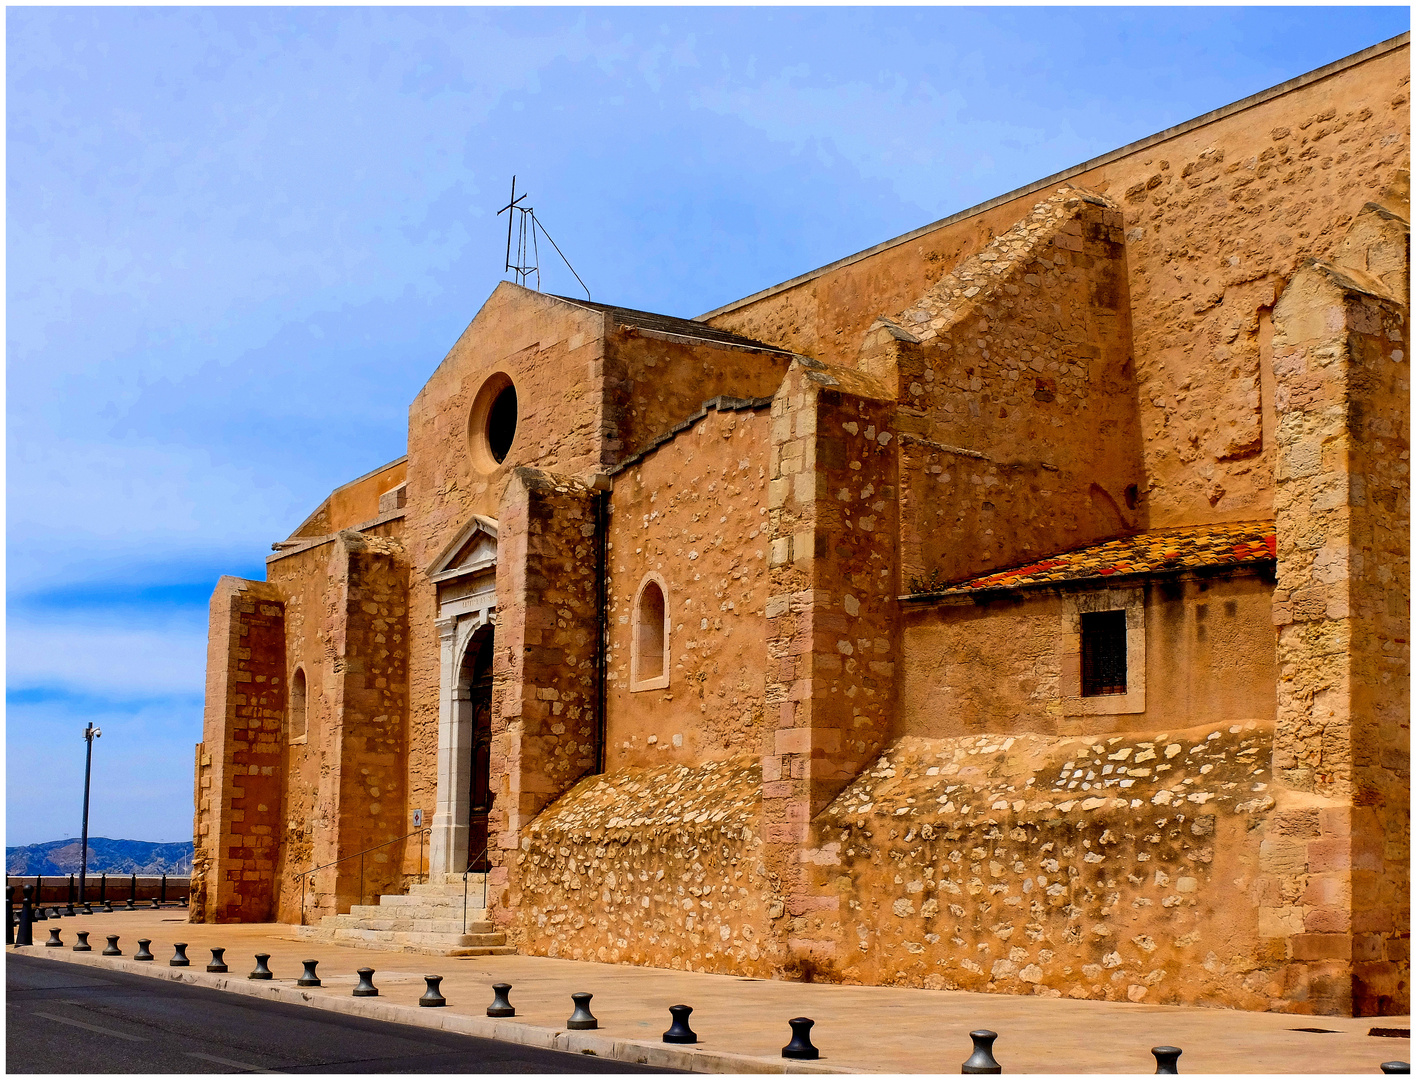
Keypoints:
pixel 742 1023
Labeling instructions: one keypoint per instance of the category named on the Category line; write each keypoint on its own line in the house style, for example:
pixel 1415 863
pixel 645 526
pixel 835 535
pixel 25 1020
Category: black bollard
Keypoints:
pixel 107 908
pixel 132 891
pixel 218 962
pixel 679 1031
pixel 54 913
pixel 70 896
pixel 54 942
pixel 800 1046
pixel 88 909
pixel 69 908
pixel 25 934
pixel 39 912
pixel 981 1060
pixel 309 978
pixel 501 1004
pixel 38 889
pixel 262 969
pixel 179 958
pixel 432 997
pixel 184 901
pixel 1396 1066
pixel 9 914
pixel 103 888
pixel 129 905
pixel 143 952
pixel 155 905
pixel 164 889
pixel 112 949
pixel 580 1019
pixel 83 945
pixel 366 987
pixel 1167 1060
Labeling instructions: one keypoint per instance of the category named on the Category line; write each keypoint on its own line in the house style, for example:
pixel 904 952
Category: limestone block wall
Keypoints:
pixel 554 354
pixel 831 620
pixel 370 700
pixel 1119 868
pixel 998 664
pixel 314 586
pixel 1017 396
pixel 544 723
pixel 659 866
pixel 1337 858
pixel 239 784
pixel 693 512
pixel 1215 213
pixel 654 381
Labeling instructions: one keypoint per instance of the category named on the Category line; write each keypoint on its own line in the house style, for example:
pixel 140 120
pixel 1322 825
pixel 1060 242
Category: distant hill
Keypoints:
pixel 104 857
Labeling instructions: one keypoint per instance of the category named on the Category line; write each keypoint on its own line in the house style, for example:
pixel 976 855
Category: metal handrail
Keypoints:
pixel 305 875
pixel 474 859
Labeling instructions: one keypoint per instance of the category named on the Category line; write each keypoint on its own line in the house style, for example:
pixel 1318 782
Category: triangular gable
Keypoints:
pixel 473 548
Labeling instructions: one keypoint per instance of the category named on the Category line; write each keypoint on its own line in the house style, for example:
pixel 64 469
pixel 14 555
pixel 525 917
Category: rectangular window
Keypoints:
pixel 1103 653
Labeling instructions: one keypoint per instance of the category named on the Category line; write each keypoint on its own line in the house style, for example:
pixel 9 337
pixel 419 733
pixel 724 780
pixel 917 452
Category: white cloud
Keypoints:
pixel 83 656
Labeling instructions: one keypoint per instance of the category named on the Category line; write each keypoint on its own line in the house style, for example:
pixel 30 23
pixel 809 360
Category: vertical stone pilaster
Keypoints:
pixel 240 785
pixel 1335 862
pixel 370 708
pixel 544 722
pixel 831 619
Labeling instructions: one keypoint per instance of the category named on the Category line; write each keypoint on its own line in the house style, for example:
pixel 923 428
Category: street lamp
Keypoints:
pixel 90 733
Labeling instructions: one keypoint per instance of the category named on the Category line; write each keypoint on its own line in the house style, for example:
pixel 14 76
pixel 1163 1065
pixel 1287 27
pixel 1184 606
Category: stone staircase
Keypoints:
pixel 427 920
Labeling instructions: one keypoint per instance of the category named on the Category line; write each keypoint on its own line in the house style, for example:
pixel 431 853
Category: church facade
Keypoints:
pixel 1020 605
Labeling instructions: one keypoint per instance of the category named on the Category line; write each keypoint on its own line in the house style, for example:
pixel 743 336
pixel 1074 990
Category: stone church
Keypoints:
pixel 1020 605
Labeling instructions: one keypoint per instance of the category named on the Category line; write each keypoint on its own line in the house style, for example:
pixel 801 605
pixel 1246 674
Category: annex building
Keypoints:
pixel 1021 605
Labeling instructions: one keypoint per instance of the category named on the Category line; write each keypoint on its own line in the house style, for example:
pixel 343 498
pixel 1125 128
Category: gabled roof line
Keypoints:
pixel 1336 67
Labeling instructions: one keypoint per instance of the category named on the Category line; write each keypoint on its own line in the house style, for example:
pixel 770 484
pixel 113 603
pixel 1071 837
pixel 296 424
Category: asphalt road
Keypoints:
pixel 62 1018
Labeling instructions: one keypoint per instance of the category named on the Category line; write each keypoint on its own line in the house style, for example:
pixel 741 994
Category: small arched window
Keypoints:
pixel 297 705
pixel 649 648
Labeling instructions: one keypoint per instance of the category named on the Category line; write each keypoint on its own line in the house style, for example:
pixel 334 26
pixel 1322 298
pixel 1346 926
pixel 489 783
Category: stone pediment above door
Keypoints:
pixel 465 573
pixel 473 549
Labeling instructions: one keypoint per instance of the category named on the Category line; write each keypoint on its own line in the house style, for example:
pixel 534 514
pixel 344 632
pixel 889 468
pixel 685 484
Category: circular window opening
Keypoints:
pixel 501 423
pixel 491 427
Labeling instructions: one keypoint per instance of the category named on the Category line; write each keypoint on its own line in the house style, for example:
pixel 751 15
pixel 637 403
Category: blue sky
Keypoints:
pixel 240 239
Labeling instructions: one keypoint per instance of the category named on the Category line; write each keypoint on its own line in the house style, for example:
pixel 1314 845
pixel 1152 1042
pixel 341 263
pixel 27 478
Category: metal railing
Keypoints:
pixel 305 876
pixel 471 863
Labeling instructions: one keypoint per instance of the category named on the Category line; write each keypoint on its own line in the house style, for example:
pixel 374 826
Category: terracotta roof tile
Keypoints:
pixel 1228 544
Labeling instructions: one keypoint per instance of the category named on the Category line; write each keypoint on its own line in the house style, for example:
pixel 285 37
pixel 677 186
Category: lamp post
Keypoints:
pixel 90 733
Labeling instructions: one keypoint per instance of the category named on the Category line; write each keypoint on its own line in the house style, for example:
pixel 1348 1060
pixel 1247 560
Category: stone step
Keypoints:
pixel 429 945
pixel 417 911
pixel 425 900
pixel 415 937
pixel 474 890
pixel 421 926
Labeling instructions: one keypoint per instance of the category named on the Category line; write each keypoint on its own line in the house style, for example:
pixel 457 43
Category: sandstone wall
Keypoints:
pixel 324 620
pixel 695 512
pixel 239 783
pixel 1336 899
pixel 544 722
pixel 831 619
pixel 1107 868
pixel 370 661
pixel 553 352
pixel 1017 397
pixel 997 665
pixel 654 381
pixel 1215 216
pixel 657 866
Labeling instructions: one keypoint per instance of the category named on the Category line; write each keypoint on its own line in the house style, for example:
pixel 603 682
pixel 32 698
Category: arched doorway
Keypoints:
pixel 475 684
